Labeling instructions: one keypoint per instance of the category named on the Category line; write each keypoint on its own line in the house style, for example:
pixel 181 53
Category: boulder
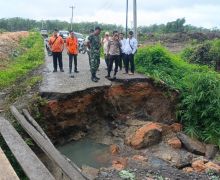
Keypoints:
pixel 212 166
pixel 120 163
pixel 192 145
pixel 211 151
pixel 139 158
pixel 188 170
pixel 148 135
pixel 199 166
pixel 114 149
pixel 176 127
pixel 175 143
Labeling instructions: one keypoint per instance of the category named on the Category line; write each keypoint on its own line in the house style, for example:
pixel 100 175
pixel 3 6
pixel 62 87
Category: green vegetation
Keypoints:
pixel 29 60
pixel 199 108
pixel 173 27
pixel 20 24
pixel 205 53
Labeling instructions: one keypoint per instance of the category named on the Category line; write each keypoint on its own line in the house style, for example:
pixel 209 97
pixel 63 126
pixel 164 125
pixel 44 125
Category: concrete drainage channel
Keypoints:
pixel 129 126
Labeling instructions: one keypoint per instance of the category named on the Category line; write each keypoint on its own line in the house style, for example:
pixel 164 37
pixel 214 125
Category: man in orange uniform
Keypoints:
pixel 56 44
pixel 72 50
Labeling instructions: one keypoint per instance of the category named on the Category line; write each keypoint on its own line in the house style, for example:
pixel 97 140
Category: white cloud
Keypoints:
pixel 197 12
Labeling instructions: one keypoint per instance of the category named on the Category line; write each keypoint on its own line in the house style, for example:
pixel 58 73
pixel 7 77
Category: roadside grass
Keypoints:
pixel 32 58
pixel 199 105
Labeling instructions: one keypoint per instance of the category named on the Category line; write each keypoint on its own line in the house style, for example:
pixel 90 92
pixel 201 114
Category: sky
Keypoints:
pixel 201 13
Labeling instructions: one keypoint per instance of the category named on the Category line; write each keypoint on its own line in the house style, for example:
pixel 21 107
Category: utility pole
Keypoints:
pixel 126 19
pixel 135 17
pixel 72 7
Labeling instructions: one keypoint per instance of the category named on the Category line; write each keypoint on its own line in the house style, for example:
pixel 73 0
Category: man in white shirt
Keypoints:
pixel 122 55
pixel 130 50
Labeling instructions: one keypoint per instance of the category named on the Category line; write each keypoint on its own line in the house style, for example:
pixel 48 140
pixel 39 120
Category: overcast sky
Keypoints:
pixel 204 13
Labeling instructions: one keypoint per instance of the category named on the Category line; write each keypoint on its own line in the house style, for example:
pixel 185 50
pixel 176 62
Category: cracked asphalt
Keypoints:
pixel 61 82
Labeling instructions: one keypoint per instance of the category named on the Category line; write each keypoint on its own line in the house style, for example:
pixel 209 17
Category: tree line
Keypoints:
pixel 21 24
pixel 174 27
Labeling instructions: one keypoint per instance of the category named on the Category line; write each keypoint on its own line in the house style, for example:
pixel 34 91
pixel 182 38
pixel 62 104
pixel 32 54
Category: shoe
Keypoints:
pixel 125 73
pixel 72 76
pixel 76 71
pixel 107 77
pixel 54 70
pixel 130 73
pixel 94 79
pixel 61 70
pixel 113 78
pixel 97 78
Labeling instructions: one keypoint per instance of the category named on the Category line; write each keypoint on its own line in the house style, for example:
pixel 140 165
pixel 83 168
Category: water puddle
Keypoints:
pixel 87 152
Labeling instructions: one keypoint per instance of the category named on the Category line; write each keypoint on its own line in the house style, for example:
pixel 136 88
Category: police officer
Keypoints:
pixel 94 44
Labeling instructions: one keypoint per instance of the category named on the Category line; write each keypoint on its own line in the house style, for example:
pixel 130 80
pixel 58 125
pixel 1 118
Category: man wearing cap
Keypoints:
pixel 72 50
pixel 130 49
pixel 105 47
pixel 56 44
pixel 94 44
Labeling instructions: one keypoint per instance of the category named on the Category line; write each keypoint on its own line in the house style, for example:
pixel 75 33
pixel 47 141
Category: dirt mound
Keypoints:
pixel 9 43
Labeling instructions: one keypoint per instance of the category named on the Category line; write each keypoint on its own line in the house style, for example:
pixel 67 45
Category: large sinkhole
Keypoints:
pixel 84 125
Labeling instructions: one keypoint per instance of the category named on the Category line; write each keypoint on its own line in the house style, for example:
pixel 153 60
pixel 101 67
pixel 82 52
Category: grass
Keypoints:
pixel 199 107
pixel 29 60
pixel 17 75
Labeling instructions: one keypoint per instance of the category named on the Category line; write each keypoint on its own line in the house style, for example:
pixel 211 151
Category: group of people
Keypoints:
pixel 117 50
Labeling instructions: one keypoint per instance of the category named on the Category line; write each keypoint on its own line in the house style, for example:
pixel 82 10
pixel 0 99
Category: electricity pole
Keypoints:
pixel 72 7
pixel 126 19
pixel 135 17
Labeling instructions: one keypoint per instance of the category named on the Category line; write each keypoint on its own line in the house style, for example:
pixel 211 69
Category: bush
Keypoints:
pixel 199 108
pixel 206 53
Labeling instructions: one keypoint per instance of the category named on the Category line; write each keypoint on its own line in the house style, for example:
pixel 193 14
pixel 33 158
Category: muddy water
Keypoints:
pixel 87 152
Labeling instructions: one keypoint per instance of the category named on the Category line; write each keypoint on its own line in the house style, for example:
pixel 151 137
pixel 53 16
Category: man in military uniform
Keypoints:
pixel 94 44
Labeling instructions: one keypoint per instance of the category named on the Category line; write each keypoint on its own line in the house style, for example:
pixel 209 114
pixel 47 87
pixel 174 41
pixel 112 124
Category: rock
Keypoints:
pixel 176 157
pixel 192 145
pixel 148 135
pixel 199 166
pixel 175 143
pixel 135 122
pixel 120 163
pixel 176 127
pixel 211 151
pixel 188 169
pixel 139 158
pixel 114 149
pixel 212 166
pixel 91 173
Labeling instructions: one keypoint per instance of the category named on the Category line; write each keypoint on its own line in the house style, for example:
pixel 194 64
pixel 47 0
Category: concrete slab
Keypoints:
pixel 6 170
pixel 62 83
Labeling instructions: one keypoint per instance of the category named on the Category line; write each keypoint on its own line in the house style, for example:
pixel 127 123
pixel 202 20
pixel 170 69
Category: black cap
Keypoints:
pixel 91 30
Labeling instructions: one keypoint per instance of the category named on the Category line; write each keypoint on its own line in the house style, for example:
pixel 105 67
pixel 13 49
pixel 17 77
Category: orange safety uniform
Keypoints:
pixel 72 45
pixel 56 46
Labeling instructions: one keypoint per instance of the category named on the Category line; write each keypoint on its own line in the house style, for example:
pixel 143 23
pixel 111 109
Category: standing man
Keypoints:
pixel 114 54
pixel 86 43
pixel 130 50
pixel 72 50
pixel 56 44
pixel 122 55
pixel 105 47
pixel 94 44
